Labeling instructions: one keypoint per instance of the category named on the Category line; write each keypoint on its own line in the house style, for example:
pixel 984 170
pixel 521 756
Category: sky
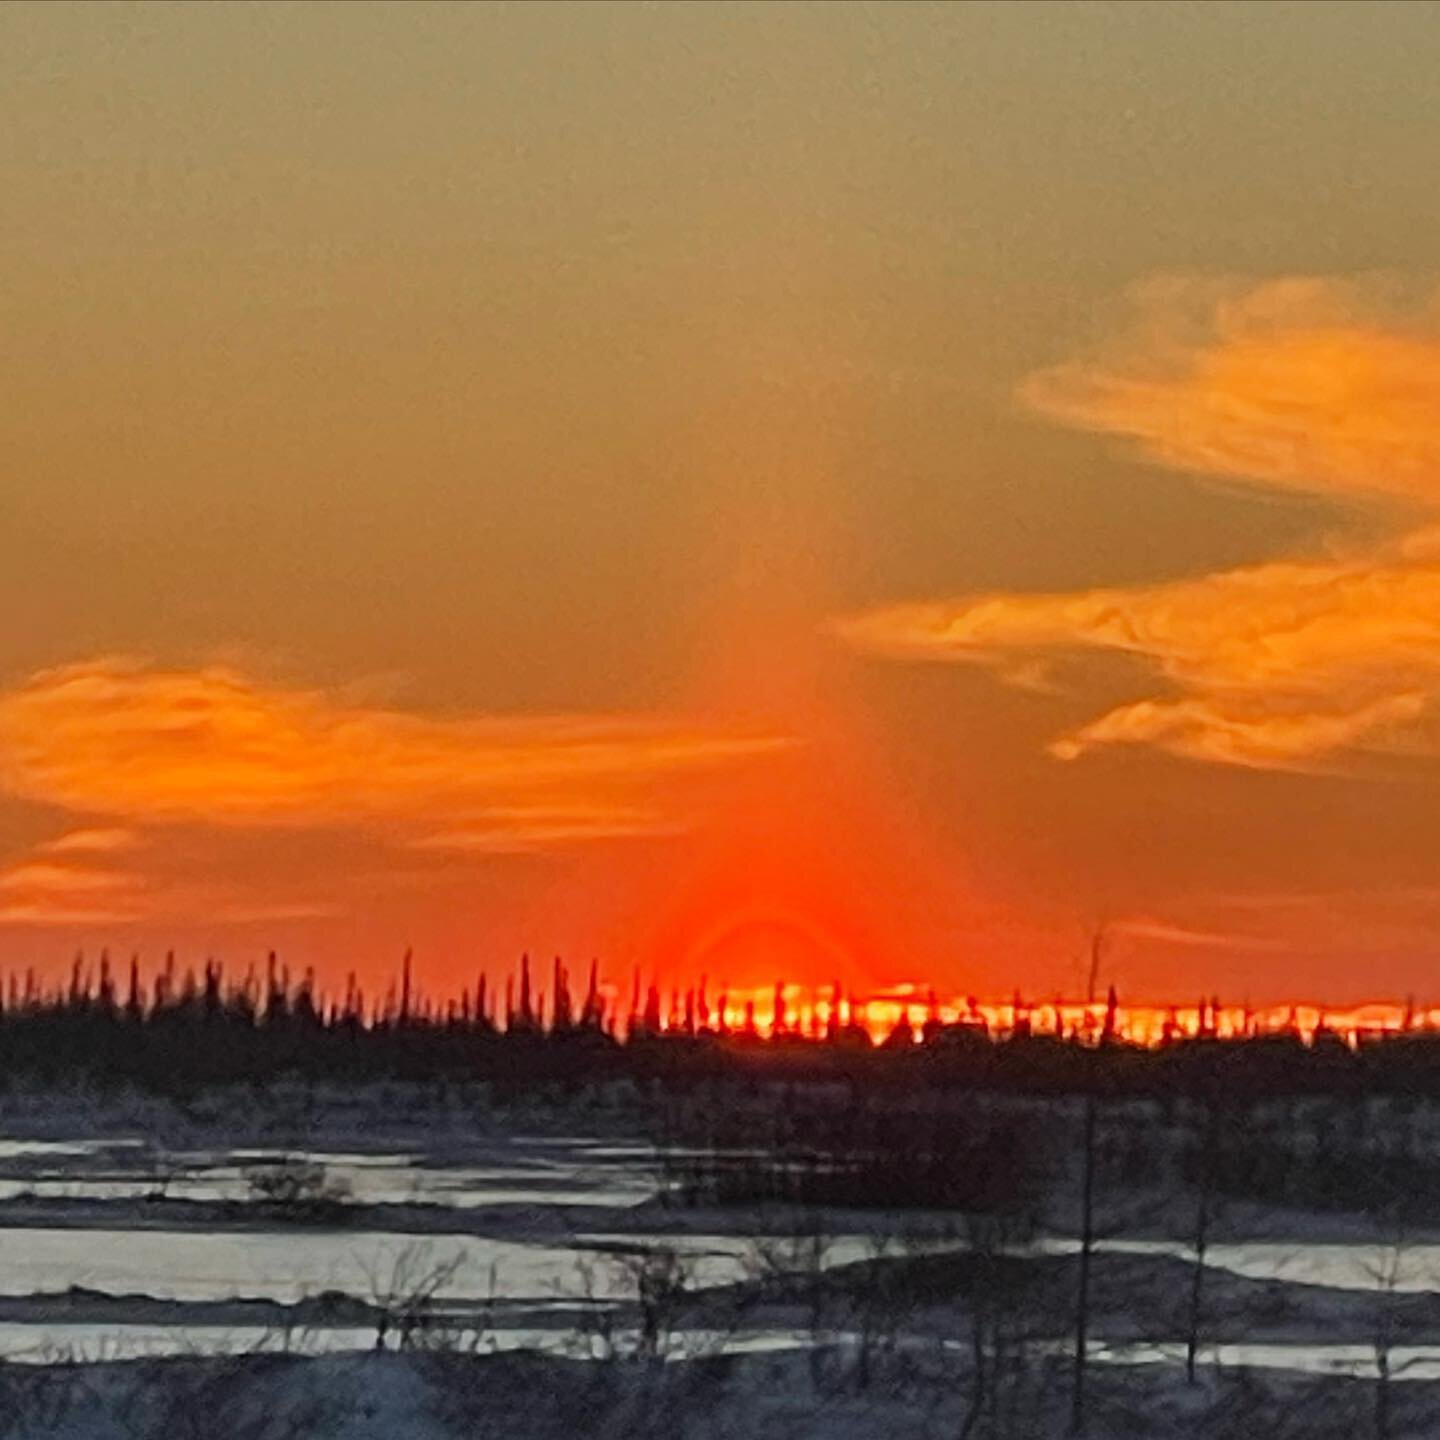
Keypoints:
pixel 863 493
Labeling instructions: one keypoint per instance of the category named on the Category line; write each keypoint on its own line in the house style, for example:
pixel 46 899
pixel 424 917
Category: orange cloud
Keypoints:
pixel 254 912
pixel 1274 665
pixel 1166 932
pixel 62 879
pixel 91 842
pixel 1294 385
pixel 46 912
pixel 144 744
pixel 1311 384
pixel 517 829
pixel 41 893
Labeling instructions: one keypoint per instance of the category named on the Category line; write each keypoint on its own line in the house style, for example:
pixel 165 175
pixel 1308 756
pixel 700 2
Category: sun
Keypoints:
pixel 749 952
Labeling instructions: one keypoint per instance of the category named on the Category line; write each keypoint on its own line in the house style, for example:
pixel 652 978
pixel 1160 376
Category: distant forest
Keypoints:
pixel 182 1029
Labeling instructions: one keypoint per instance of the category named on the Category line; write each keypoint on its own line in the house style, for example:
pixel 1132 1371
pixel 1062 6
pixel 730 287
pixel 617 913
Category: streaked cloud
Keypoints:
pixel 520 829
pixel 151 745
pixel 63 879
pixel 40 892
pixel 91 842
pixel 1166 932
pixel 1311 384
pixel 1274 665
pixel 258 912
pixel 47 913
pixel 165 750
pixel 1302 385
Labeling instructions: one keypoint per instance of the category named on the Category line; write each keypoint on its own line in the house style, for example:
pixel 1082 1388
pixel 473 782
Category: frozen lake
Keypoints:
pixel 190 1226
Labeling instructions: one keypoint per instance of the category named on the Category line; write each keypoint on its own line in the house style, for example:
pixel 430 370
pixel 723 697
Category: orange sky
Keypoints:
pixel 868 493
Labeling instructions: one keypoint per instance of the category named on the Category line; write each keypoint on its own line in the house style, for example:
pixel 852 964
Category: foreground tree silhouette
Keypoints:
pixel 1207 1162
pixel 1089 1130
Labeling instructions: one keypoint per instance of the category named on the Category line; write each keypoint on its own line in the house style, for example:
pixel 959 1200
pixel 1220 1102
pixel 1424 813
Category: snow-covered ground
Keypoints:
pixel 777 1396
pixel 273 1251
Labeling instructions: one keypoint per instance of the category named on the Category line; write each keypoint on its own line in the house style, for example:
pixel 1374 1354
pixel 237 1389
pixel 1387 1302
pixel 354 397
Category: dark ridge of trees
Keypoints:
pixel 178 1028
pixel 861 1152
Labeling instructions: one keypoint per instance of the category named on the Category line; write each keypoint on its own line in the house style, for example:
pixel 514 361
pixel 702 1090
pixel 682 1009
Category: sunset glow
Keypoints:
pixel 720 720
pixel 780 501
pixel 1146 1025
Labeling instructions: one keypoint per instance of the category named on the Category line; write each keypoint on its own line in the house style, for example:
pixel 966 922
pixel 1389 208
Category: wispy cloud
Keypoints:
pixel 258 912
pixel 165 752
pixel 102 841
pixel 1314 384
pixel 145 744
pixel 1165 932
pixel 39 892
pixel 63 879
pixel 48 912
pixel 521 829
pixel 1303 385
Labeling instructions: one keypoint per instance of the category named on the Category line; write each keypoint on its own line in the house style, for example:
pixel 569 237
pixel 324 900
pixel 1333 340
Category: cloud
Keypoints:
pixel 42 912
pixel 1144 927
pixel 145 744
pixel 93 841
pixel 255 912
pixel 1315 386
pixel 1311 384
pixel 151 748
pixel 37 892
pixel 521 829
pixel 63 879
pixel 1274 665
pixel 1204 731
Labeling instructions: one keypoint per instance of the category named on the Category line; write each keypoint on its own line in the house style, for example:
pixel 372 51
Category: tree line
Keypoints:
pixel 176 1026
